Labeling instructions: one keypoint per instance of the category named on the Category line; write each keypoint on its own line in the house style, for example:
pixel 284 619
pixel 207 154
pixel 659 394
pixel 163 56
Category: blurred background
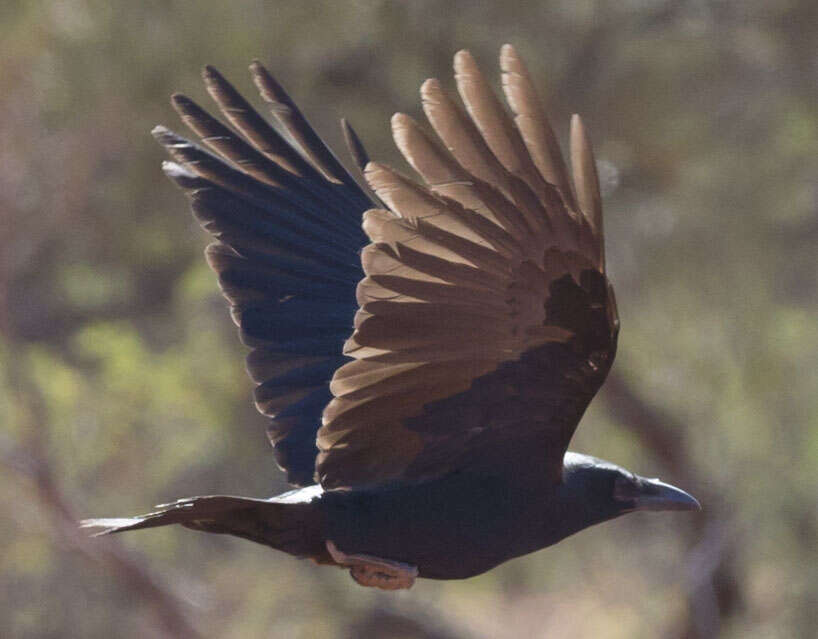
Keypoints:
pixel 122 382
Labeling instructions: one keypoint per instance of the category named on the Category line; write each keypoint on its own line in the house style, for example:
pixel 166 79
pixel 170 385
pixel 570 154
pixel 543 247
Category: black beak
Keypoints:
pixel 657 495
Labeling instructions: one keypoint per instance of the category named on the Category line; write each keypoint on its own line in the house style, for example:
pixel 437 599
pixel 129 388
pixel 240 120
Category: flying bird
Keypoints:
pixel 425 350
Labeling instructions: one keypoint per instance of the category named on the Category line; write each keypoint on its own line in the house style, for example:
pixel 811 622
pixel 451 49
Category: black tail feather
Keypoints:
pixel 294 528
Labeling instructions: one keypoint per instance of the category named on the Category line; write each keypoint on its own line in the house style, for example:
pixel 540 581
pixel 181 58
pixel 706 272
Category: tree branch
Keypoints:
pixel 713 587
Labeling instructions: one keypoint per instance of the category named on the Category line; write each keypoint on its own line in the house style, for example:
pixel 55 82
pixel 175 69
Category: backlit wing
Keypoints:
pixel 486 323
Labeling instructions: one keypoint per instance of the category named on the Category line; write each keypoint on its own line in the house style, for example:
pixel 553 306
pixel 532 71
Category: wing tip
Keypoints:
pixel 511 64
pixel 403 127
pixel 582 154
pixel 176 171
pixel 430 83
pixel 211 75
pixel 354 145
pixel 586 179
pixel 430 89
pixel 269 88
pixel 174 143
pixel 508 54
pixel 182 104
pixel 463 58
pixel 401 121
pixel 164 135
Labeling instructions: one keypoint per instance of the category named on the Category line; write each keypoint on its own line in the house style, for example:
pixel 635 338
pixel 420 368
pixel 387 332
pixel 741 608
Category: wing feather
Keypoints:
pixel 492 121
pixel 291 118
pixel 485 321
pixel 587 183
pixel 461 137
pixel 534 127
pixel 287 240
pixel 257 131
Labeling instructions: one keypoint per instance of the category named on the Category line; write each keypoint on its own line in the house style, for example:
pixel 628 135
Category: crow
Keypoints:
pixel 424 350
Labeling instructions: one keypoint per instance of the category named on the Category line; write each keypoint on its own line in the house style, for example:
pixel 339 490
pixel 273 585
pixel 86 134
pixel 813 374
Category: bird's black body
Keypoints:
pixel 463 525
pixel 429 427
pixel 478 522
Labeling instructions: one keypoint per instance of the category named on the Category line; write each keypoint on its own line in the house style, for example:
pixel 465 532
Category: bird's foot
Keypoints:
pixel 374 571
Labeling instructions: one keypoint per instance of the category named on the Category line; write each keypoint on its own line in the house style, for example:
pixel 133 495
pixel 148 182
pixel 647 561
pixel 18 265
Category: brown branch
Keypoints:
pixel 659 432
pixel 713 585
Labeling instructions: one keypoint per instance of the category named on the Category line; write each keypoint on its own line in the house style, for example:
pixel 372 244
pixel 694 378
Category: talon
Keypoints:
pixel 374 572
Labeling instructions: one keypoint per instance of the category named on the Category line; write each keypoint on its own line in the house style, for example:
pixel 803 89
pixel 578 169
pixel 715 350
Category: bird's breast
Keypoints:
pixel 452 528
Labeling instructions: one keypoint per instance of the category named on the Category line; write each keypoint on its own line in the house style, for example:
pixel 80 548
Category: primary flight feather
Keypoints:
pixel 425 353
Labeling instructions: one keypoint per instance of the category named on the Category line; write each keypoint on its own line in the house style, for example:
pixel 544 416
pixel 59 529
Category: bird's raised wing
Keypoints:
pixel 286 218
pixel 486 323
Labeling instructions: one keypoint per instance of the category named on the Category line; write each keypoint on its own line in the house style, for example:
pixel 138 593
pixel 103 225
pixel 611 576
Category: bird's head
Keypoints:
pixel 606 490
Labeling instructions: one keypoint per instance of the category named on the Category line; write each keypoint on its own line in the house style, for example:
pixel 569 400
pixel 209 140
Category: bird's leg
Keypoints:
pixel 374 571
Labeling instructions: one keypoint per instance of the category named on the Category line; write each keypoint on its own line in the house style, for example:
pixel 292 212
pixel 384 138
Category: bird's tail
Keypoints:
pixel 295 528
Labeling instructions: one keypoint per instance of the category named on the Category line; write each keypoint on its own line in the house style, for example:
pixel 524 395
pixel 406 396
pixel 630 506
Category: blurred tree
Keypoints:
pixel 706 120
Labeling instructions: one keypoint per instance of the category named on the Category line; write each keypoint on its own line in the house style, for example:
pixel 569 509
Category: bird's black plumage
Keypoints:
pixel 442 368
